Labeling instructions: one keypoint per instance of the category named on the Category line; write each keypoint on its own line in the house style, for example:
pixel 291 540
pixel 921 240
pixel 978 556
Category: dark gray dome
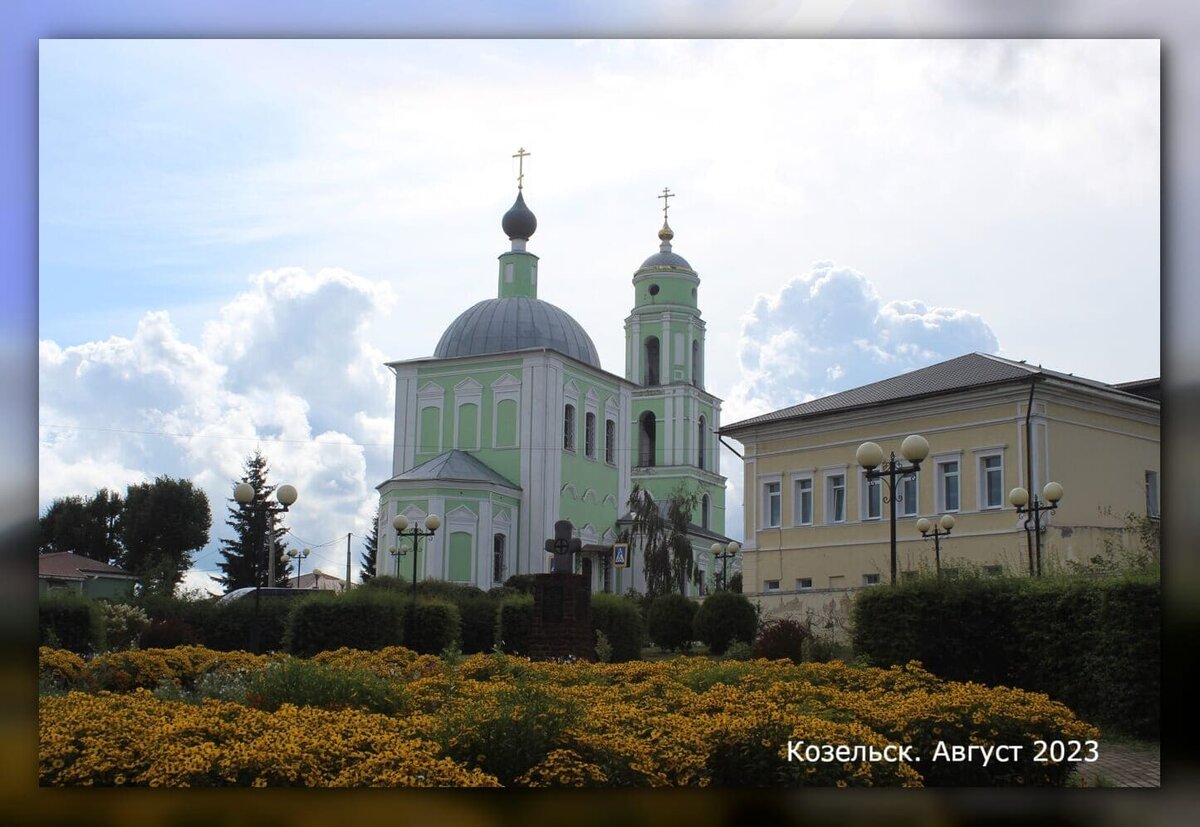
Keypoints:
pixel 516 323
pixel 666 259
pixel 519 221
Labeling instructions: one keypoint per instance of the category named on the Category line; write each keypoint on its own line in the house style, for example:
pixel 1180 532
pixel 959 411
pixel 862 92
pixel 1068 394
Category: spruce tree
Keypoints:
pixel 371 554
pixel 245 556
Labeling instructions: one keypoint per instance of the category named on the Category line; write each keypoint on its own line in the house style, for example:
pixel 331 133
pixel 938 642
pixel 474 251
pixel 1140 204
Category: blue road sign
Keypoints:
pixel 620 555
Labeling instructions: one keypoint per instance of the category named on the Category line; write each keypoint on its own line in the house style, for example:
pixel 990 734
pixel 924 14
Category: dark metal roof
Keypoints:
pixel 666 259
pixel 972 370
pixel 69 565
pixel 519 221
pixel 516 323
pixel 455 466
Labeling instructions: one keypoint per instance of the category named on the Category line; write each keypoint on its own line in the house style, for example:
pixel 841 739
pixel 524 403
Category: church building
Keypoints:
pixel 513 424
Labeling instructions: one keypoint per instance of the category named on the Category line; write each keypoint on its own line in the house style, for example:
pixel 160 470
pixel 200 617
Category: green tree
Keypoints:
pixel 163 524
pixel 90 527
pixel 244 556
pixel 666 549
pixel 371 554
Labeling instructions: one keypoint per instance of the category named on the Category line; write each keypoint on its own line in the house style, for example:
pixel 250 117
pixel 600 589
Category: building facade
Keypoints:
pixel 817 529
pixel 513 424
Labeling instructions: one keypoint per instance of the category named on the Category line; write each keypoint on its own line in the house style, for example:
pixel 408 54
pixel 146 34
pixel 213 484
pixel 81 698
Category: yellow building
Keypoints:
pixel 817 529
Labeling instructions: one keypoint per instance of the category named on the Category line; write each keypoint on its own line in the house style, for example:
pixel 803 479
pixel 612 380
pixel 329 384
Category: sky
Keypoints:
pixel 235 235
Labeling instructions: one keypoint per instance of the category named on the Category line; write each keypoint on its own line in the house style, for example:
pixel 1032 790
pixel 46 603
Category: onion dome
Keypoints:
pixel 519 222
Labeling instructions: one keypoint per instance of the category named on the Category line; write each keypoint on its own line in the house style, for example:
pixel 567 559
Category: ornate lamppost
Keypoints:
pixel 244 494
pixel 1052 492
pixel 724 553
pixel 299 557
pixel 937 530
pixel 870 456
pixel 432 523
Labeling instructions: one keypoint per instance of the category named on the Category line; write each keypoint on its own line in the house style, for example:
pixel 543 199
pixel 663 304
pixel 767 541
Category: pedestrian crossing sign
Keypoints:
pixel 621 555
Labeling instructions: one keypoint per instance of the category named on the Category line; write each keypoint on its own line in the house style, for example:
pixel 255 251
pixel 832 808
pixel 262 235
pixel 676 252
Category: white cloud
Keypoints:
pixel 285 367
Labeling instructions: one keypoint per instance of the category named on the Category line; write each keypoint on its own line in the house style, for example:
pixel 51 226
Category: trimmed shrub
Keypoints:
pixel 1091 644
pixel 621 622
pixel 365 618
pixel 514 621
pixel 435 625
pixel 522 583
pixel 669 622
pixel 167 634
pixel 230 627
pixel 386 582
pixel 723 618
pixel 70 621
pixel 782 638
pixel 478 616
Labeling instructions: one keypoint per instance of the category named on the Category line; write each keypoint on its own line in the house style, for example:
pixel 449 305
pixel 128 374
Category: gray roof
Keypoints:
pixel 516 323
pixel 666 260
pixel 972 370
pixel 455 466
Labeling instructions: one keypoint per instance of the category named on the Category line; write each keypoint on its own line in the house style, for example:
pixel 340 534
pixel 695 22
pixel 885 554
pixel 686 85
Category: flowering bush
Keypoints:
pixel 123 624
pixel 488 719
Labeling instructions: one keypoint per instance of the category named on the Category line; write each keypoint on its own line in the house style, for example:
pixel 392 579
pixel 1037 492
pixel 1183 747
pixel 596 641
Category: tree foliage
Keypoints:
pixel 666 549
pixel 371 554
pixel 89 527
pixel 244 556
pixel 163 524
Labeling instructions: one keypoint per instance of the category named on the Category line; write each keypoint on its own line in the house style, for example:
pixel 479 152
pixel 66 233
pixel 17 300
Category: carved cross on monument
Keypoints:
pixel 666 193
pixel 521 156
pixel 563 546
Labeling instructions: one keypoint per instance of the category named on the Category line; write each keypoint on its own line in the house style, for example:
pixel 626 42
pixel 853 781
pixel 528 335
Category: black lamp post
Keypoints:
pixel 1052 492
pixel 432 522
pixel 724 553
pixel 937 530
pixel 244 494
pixel 870 456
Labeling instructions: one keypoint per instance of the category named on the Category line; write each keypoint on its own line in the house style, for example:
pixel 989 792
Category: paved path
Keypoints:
pixel 1122 765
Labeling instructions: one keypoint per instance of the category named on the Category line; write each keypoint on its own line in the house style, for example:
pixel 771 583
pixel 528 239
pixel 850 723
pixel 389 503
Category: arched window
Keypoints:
pixel 646 437
pixel 651 372
pixel 701 442
pixel 610 442
pixel 589 435
pixel 704 509
pixel 697 377
pixel 569 428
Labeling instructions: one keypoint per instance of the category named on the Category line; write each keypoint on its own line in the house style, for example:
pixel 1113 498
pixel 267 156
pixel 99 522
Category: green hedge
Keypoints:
pixel 69 621
pixel 669 621
pixel 435 626
pixel 620 620
pixel 359 619
pixel 513 622
pixel 1092 644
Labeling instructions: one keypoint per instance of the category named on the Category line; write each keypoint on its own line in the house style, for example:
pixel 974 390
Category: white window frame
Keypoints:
pixel 804 584
pixel 797 499
pixel 767 587
pixel 909 506
pixel 589 435
pixel 868 584
pixel 570 420
pixel 864 494
pixel 828 476
pixel 981 456
pixel 765 515
pixel 507 387
pixel 939 494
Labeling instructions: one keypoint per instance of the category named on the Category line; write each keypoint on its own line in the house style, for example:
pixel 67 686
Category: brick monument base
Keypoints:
pixel 562 617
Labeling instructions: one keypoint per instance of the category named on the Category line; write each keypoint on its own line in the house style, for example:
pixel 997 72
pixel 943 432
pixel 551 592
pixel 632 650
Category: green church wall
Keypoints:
pixel 460 556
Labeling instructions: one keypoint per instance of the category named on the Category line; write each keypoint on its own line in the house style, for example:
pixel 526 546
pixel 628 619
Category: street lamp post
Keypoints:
pixel 244 494
pixel 432 523
pixel 724 553
pixel 298 556
pixel 1052 492
pixel 938 530
pixel 870 456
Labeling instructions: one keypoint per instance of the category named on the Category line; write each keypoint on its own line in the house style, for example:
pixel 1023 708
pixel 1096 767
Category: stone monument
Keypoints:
pixel 562 604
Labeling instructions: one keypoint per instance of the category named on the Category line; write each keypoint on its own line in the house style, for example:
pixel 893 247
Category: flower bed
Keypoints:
pixel 488 719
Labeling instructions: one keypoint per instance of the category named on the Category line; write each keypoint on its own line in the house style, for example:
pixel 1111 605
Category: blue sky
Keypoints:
pixel 234 235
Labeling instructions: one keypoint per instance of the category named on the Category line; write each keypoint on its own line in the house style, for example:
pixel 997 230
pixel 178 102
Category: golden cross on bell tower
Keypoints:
pixel 666 193
pixel 521 156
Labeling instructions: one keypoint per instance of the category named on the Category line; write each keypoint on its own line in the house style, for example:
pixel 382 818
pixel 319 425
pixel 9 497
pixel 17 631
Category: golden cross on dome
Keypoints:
pixel 521 156
pixel 666 193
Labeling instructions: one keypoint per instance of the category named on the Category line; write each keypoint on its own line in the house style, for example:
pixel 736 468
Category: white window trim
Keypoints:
pixel 765 503
pixel 863 489
pixel 469 392
pixel 827 475
pixel 768 588
pixel 876 575
pixel 904 513
pixel 507 387
pixel 431 395
pixel 812 495
pixel 939 498
pixel 800 587
pixel 981 479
